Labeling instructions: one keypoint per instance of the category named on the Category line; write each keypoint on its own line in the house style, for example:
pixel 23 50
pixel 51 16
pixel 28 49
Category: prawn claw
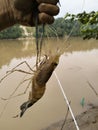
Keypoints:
pixel 24 107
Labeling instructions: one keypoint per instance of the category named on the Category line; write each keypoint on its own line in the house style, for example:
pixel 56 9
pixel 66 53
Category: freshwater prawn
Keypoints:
pixel 38 81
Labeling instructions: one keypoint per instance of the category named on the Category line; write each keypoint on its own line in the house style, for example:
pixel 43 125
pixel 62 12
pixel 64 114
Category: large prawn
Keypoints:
pixel 38 80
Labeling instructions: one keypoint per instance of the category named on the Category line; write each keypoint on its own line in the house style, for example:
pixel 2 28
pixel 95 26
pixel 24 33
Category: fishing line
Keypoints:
pixel 67 102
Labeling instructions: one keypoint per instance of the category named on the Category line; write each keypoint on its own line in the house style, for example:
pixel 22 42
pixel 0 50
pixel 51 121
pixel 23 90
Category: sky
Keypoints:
pixel 77 6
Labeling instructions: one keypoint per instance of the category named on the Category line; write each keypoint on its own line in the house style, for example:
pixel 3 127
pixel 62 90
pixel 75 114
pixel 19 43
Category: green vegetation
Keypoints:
pixel 89 22
pixel 11 33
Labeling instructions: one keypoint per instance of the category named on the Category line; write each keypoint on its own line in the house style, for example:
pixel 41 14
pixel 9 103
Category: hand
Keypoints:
pixel 25 11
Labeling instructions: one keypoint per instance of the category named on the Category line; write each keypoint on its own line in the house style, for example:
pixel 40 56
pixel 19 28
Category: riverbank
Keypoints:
pixel 87 120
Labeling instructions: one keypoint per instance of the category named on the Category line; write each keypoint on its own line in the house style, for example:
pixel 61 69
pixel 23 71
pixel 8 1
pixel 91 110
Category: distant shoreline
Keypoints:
pixel 27 38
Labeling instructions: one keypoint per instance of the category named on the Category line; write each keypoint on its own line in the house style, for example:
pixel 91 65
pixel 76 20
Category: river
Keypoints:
pixel 78 65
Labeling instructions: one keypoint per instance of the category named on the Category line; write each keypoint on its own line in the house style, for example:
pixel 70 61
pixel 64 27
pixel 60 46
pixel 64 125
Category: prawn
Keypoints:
pixel 38 81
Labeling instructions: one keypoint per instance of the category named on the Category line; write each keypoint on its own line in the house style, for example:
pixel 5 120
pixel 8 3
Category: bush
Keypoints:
pixel 11 33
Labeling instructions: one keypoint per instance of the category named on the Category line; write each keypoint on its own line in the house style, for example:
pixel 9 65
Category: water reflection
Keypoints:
pixel 24 48
pixel 77 65
pixel 15 49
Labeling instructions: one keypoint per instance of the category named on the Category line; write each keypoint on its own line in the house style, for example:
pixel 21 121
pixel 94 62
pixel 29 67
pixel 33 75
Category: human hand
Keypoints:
pixel 25 11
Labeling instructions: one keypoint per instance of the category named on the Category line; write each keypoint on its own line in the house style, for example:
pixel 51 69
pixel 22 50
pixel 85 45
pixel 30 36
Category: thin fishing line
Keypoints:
pixel 65 97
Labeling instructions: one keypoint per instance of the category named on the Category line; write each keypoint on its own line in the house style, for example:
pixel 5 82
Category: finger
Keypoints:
pixel 49 9
pixel 48 1
pixel 45 18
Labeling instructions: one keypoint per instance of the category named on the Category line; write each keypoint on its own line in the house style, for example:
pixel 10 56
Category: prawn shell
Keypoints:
pixel 45 73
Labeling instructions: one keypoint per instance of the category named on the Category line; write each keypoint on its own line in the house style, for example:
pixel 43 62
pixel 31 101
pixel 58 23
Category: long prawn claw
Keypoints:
pixel 24 107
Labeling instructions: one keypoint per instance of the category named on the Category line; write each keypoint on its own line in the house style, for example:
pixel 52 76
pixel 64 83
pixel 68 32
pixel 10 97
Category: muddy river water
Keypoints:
pixel 78 65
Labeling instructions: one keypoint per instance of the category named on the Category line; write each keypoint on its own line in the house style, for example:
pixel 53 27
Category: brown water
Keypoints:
pixel 78 64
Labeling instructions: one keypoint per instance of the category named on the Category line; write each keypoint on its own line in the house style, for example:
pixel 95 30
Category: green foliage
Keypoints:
pixel 89 22
pixel 11 33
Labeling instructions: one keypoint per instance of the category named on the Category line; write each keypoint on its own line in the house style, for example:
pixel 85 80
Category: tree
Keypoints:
pixel 11 33
pixel 89 22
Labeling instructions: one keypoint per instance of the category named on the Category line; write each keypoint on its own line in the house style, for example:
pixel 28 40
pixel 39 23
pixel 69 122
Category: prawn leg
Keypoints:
pixel 11 71
pixel 18 70
pixel 24 91
pixel 24 62
pixel 11 96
